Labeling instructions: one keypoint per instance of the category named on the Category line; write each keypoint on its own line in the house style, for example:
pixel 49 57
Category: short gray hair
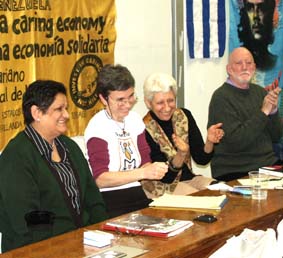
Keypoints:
pixel 158 82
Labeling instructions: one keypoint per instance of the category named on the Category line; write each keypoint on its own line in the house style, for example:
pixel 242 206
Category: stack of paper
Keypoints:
pixel 97 238
pixel 194 202
pixel 276 168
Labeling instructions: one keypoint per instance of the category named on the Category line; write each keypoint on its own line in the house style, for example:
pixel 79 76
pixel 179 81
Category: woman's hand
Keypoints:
pixel 154 171
pixel 215 133
pixel 180 145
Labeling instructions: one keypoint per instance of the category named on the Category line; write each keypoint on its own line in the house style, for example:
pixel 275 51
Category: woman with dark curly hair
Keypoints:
pixel 46 187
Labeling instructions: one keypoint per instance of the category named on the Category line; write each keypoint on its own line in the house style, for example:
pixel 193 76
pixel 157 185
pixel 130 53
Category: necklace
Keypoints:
pixel 122 128
pixel 53 145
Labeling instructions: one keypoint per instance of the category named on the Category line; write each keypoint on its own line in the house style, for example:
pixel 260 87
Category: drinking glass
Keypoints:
pixel 259 183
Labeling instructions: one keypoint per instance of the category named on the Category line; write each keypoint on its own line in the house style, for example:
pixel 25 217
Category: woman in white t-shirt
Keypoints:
pixel 116 146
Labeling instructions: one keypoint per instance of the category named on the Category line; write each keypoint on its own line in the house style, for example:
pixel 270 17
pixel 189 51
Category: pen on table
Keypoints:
pixel 242 186
pixel 273 179
pixel 239 193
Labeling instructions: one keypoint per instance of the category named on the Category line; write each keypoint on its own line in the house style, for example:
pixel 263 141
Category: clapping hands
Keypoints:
pixel 215 133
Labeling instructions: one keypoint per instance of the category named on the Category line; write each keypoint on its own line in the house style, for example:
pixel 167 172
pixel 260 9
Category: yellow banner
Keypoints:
pixel 67 41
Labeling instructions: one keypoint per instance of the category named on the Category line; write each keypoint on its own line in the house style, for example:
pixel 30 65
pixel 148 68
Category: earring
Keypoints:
pixel 38 119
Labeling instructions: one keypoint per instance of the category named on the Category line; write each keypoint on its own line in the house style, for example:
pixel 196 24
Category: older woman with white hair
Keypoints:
pixel 174 136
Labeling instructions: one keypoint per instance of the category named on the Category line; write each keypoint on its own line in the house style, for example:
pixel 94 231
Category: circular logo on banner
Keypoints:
pixel 83 81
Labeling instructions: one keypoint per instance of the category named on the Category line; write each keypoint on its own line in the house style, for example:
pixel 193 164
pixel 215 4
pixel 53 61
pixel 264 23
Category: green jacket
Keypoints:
pixel 27 184
pixel 249 133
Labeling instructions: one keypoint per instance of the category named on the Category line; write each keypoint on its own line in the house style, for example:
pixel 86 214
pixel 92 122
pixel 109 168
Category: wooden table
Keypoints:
pixel 199 241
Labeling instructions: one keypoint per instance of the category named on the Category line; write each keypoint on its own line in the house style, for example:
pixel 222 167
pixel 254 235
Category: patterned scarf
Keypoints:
pixel 155 188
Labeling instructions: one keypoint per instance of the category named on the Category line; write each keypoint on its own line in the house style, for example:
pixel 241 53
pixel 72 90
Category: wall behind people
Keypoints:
pixel 202 78
pixel 144 44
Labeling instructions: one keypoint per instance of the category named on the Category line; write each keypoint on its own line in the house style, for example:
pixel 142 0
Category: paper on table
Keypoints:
pixel 195 202
pixel 220 186
pixel 118 251
pixel 270 172
pixel 97 238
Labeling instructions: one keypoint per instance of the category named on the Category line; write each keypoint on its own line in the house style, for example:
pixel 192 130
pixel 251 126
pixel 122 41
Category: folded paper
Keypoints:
pixel 195 202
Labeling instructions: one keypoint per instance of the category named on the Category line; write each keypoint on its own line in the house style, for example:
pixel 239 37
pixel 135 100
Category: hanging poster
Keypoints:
pixel 67 41
pixel 258 26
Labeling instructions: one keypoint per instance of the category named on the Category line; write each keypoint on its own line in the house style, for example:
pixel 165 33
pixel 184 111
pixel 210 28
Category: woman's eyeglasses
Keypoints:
pixel 124 101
